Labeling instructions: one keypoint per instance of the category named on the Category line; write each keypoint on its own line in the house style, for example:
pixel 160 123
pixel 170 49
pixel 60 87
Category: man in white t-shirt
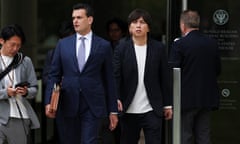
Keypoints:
pixel 141 72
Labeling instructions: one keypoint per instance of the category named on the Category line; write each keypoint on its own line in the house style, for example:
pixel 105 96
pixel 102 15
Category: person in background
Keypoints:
pixel 83 64
pixel 66 29
pixel 198 57
pixel 116 29
pixel 17 117
pixel 141 73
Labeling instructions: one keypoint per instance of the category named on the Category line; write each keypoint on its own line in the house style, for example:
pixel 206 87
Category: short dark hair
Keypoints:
pixel 87 7
pixel 137 13
pixel 12 30
pixel 190 18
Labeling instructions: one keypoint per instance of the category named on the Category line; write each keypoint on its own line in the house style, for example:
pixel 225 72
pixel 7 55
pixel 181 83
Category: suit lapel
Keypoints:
pixel 132 56
pixel 71 49
pixel 148 56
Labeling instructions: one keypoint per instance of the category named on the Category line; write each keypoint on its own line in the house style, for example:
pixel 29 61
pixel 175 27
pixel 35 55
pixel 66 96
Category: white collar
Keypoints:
pixel 87 36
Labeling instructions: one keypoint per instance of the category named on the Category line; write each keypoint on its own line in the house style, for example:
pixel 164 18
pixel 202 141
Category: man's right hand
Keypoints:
pixel 11 91
pixel 50 113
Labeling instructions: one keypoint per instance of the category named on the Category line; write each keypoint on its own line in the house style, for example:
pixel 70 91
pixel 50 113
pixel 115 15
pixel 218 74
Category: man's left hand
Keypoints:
pixel 113 121
pixel 168 113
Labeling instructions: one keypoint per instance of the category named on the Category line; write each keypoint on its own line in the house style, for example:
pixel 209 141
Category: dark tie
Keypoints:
pixel 81 54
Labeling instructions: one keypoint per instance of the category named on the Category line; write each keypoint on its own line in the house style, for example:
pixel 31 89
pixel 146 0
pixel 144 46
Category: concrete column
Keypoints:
pixel 184 5
pixel 176 106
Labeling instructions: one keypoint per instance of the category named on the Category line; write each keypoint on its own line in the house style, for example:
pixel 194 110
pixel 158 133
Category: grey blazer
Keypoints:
pixel 24 72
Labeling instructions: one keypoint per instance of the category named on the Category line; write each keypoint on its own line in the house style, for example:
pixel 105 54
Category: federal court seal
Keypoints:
pixel 220 17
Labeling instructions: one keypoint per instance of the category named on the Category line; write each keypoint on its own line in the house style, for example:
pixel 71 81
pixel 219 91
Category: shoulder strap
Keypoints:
pixel 18 58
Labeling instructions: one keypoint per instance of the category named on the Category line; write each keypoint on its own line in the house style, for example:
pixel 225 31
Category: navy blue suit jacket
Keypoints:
pixel 95 82
pixel 156 76
pixel 198 57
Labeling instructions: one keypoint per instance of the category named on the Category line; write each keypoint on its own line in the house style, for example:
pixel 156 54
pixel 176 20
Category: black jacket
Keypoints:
pixel 198 57
pixel 156 77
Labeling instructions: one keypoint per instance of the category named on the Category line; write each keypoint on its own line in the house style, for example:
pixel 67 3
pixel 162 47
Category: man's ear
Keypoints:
pixel 1 41
pixel 90 19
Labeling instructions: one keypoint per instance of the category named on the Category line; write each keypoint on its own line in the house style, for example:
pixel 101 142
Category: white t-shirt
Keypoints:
pixel 140 103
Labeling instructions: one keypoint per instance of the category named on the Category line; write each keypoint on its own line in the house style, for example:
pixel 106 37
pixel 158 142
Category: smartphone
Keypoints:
pixel 22 84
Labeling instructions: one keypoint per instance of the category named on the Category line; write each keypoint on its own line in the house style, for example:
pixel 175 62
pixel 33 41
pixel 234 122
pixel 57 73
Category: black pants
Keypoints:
pixel 131 125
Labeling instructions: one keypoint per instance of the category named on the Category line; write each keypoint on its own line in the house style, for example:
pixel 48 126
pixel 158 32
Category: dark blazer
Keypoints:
pixel 198 57
pixel 95 82
pixel 155 75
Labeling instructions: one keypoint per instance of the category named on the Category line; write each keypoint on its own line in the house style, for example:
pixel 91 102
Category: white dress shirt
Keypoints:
pixel 87 41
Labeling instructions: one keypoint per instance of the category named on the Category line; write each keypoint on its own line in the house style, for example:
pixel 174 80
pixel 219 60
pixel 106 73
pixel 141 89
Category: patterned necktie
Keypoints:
pixel 81 54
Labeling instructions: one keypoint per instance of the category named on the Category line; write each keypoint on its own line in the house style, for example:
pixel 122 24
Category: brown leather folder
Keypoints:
pixel 55 97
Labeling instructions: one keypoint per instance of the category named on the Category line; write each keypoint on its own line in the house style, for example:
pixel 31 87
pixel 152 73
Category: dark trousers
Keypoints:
pixel 195 126
pixel 81 129
pixel 106 136
pixel 131 125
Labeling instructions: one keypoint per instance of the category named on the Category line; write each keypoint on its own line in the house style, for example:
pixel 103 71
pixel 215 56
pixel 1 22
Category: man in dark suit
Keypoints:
pixel 198 57
pixel 87 82
pixel 141 72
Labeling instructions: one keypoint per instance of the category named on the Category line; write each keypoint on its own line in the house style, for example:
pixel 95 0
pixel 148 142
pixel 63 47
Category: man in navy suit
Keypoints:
pixel 87 90
pixel 198 57
pixel 141 72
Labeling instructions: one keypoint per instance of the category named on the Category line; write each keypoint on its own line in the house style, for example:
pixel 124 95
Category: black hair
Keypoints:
pixel 87 7
pixel 12 30
pixel 137 13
